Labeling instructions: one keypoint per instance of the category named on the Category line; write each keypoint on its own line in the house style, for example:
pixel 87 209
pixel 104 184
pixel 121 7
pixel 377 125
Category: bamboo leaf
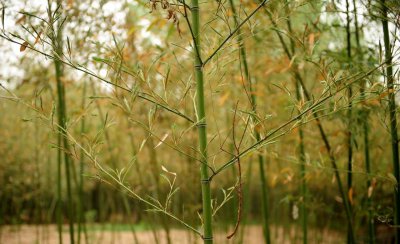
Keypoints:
pixel 23 46
pixel 162 140
pixel 37 37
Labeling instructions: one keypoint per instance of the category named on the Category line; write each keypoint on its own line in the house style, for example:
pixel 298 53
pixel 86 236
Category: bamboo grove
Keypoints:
pixel 188 121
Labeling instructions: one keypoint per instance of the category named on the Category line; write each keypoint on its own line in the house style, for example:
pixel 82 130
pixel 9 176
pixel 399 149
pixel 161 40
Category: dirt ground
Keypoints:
pixel 28 234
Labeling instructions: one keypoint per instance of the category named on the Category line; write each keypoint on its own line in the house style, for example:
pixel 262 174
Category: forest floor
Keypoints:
pixel 47 234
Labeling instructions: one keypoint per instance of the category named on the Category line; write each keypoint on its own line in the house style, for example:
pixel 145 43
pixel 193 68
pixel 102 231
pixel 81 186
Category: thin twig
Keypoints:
pixel 234 32
pixel 239 186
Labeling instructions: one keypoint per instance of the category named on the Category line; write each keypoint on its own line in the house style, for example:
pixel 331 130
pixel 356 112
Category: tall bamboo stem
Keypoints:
pixel 62 113
pixel 81 224
pixel 59 185
pixel 371 229
pixel 392 113
pixel 302 159
pixel 201 125
pixel 349 118
pixel 365 127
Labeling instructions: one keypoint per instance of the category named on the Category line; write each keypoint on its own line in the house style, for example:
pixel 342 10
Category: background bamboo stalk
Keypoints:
pixel 349 118
pixel 62 113
pixel 304 192
pixel 81 211
pixel 365 132
pixel 392 113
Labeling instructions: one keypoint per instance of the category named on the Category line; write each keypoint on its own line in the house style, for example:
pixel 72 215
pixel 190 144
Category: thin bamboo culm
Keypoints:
pixel 365 131
pixel 62 118
pixel 201 126
pixel 349 119
pixel 302 159
pixel 392 113
pixel 81 219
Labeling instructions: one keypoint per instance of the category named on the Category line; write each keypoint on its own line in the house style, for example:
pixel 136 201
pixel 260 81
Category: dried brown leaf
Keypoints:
pixel 23 46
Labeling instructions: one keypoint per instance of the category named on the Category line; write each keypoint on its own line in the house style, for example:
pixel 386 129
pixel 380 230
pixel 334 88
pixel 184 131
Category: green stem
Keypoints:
pixel 392 114
pixel 81 224
pixel 365 124
pixel 371 229
pixel 349 117
pixel 59 197
pixel 62 115
pixel 201 116
pixel 264 200
pixel 302 157
pixel 243 58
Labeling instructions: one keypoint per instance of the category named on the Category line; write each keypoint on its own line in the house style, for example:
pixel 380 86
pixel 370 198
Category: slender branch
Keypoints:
pixel 234 31
pixel 121 184
pixel 323 99
pixel 195 41
pixel 239 187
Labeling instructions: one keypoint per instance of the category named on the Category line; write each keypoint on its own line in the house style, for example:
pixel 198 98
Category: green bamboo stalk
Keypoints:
pixel 201 125
pixel 81 224
pixel 59 185
pixel 321 130
pixel 302 159
pixel 365 125
pixel 246 203
pixel 350 104
pixel 349 117
pixel 392 113
pixel 62 114
pixel 264 190
pixel 371 229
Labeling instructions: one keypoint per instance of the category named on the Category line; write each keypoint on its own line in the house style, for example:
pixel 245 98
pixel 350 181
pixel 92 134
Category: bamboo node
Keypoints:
pixel 207 238
pixel 201 124
pixel 206 181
